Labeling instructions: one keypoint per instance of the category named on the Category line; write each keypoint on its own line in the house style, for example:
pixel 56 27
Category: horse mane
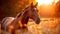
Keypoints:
pixel 22 12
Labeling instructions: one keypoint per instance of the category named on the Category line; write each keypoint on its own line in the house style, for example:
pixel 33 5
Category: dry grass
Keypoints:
pixel 47 26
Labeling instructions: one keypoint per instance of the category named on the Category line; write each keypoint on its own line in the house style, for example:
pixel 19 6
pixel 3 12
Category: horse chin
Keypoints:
pixel 37 21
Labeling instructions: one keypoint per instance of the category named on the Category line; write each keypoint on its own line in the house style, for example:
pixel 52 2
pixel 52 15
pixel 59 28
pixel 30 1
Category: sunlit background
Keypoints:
pixel 47 8
pixel 46 2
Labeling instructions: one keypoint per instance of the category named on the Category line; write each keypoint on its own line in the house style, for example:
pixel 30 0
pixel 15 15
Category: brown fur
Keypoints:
pixel 21 20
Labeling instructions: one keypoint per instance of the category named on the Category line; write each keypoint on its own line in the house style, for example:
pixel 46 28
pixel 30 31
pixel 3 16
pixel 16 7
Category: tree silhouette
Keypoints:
pixel 57 9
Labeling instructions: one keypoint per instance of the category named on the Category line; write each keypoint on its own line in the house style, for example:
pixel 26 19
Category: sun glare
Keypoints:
pixel 40 2
pixel 56 1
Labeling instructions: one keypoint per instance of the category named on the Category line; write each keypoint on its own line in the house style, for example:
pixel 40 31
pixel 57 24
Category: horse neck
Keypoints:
pixel 22 16
pixel 25 17
pixel 24 20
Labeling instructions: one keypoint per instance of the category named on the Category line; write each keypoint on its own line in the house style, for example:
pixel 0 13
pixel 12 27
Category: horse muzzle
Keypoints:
pixel 37 21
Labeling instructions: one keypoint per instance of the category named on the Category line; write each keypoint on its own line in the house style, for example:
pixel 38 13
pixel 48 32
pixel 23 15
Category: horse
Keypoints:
pixel 21 20
pixel 0 22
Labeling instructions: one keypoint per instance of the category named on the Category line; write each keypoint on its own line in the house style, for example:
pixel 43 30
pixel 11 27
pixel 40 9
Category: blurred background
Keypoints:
pixel 48 11
pixel 47 8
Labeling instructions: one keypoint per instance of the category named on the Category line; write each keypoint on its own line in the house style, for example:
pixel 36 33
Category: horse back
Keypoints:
pixel 5 22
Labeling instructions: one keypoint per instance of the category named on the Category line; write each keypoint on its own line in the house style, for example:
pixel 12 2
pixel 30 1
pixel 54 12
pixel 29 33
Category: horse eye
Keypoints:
pixel 35 9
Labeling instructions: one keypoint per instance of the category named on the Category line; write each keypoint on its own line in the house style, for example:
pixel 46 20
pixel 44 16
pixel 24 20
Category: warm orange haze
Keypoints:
pixel 47 8
pixel 47 11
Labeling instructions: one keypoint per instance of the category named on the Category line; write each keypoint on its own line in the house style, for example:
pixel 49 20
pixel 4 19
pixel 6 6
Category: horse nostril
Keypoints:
pixel 38 21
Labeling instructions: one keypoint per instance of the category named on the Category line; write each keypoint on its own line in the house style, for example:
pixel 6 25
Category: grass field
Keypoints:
pixel 46 26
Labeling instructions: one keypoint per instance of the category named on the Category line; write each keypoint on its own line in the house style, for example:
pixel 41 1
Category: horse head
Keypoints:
pixel 30 12
pixel 33 13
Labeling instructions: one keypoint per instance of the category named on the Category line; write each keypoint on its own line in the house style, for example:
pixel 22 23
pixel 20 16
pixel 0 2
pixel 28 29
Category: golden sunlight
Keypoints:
pixel 40 2
pixel 56 1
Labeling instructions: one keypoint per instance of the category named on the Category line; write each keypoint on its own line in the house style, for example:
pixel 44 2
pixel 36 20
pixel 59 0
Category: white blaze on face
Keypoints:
pixel 40 2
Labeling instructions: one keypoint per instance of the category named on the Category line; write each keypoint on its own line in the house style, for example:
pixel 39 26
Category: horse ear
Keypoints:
pixel 36 4
pixel 32 4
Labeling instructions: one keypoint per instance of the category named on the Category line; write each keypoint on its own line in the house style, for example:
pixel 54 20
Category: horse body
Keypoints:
pixel 22 18
pixel 6 21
